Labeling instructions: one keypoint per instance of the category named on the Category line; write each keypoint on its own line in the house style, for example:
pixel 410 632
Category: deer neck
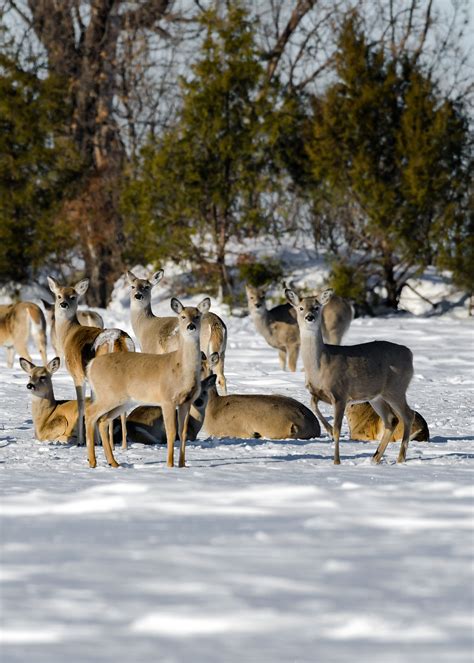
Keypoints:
pixel 261 322
pixel 42 407
pixel 189 354
pixel 312 350
pixel 140 314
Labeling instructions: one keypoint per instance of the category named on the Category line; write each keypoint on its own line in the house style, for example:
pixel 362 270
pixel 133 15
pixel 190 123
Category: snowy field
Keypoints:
pixel 258 551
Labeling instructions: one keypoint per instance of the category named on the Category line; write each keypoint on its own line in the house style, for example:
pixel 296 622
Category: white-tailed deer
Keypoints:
pixel 17 323
pixel 277 326
pixel 172 380
pixel 336 318
pixel 86 317
pixel 365 424
pixel 378 372
pixel 53 420
pixel 159 334
pixel 79 344
pixel 259 416
pixel 145 424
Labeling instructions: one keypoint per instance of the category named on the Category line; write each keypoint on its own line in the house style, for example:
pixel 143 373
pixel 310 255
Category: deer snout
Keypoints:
pixel 138 296
pixel 310 317
pixel 258 306
pixel 30 385
pixel 191 326
pixel 64 305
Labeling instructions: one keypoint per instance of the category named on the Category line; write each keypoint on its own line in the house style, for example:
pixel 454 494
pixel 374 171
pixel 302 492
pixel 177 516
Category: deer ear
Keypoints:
pixel 53 284
pixel 176 305
pixel 81 287
pixel 292 297
pixel 131 278
pixel 205 305
pixel 213 359
pixel 203 356
pixel 325 296
pixel 26 365
pixel 210 381
pixel 53 365
pixel 157 276
pixel 47 305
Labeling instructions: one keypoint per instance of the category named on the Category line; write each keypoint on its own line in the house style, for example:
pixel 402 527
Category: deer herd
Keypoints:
pixel 176 386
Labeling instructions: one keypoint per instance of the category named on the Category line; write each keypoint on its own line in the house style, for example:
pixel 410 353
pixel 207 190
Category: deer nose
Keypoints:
pixel 191 326
pixel 258 305
pixel 64 305
pixel 310 318
pixel 138 296
pixel 30 385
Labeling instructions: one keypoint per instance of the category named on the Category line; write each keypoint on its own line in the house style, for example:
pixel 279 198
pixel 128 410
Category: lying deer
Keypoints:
pixel 171 380
pixel 86 317
pixel 79 343
pixel 53 420
pixel 277 326
pixel 145 424
pixel 365 424
pixel 378 372
pixel 17 323
pixel 259 416
pixel 159 334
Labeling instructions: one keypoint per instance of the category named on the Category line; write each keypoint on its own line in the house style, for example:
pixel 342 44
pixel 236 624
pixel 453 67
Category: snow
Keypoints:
pixel 259 551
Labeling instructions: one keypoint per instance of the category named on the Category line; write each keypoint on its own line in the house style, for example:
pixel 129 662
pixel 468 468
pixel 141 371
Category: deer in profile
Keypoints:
pixel 365 424
pixel 17 323
pixel 172 380
pixel 259 416
pixel 379 372
pixel 53 419
pixel 277 325
pixel 159 334
pixel 86 317
pixel 79 344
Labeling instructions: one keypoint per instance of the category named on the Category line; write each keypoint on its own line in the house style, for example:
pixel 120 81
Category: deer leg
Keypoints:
pixel 293 357
pixel 91 420
pixel 123 422
pixel 183 418
pixel 339 408
pixel 282 359
pixel 80 417
pixel 390 421
pixel 21 349
pixel 110 434
pixel 316 410
pixel 405 414
pixel 11 355
pixel 169 419
pixel 104 431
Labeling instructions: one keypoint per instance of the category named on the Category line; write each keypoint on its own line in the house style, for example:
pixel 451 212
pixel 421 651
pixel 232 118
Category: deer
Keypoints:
pixel 53 419
pixel 366 425
pixel 378 372
pixel 158 335
pixel 86 317
pixel 17 323
pixel 336 318
pixel 277 326
pixel 259 416
pixel 171 380
pixel 79 344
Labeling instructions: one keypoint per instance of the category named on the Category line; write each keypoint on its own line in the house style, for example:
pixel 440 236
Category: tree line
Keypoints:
pixel 140 132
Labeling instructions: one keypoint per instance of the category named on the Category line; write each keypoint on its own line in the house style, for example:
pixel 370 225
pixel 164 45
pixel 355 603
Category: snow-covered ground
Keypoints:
pixel 258 551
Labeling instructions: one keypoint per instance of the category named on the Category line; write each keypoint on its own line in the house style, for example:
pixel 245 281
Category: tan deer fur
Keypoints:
pixel 277 326
pixel 336 318
pixel 259 416
pixel 86 318
pixel 17 323
pixel 79 344
pixel 159 334
pixel 366 425
pixel 53 419
pixel 172 380
pixel 378 372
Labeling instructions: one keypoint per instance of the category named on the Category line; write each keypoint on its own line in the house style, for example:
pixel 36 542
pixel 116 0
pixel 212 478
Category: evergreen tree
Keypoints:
pixel 204 182
pixel 390 156
pixel 36 166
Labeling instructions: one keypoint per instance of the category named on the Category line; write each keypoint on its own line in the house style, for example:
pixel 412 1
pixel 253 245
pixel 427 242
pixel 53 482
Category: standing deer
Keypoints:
pixel 80 344
pixel 365 424
pixel 277 326
pixel 87 318
pixel 17 323
pixel 378 372
pixel 172 380
pixel 159 334
pixel 53 420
